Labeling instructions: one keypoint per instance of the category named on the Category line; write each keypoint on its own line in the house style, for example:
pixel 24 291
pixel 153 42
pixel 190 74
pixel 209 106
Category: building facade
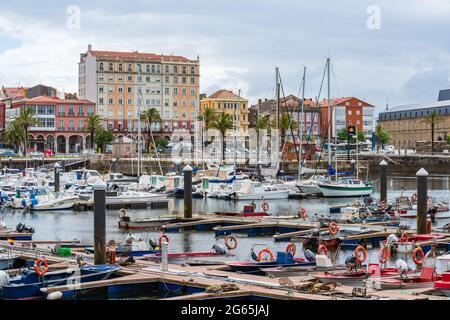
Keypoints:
pixel 406 126
pixel 61 123
pixel 228 102
pixel 349 111
pixel 167 83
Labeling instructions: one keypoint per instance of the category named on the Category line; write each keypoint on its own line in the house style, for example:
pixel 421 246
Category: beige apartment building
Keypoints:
pixel 168 83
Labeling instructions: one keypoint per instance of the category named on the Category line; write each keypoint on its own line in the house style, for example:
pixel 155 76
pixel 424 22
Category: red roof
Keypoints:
pixel 52 100
pixel 224 94
pixel 13 92
pixel 340 101
pixel 134 55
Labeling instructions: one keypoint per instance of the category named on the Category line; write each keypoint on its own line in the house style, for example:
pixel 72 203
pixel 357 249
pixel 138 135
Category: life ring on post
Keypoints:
pixel 265 206
pixel 40 266
pixel 418 255
pixel 414 198
pixel 322 248
pixel 263 254
pixel 404 237
pixel 161 237
pixel 231 242
pixel 383 254
pixel 333 228
pixel 292 248
pixel 302 213
pixel 358 257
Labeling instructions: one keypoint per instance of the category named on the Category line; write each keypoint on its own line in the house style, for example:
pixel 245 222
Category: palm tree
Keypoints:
pixel 26 119
pixel 14 135
pixel 93 123
pixel 432 119
pixel 285 123
pixel 150 116
pixel 208 116
pixel 222 123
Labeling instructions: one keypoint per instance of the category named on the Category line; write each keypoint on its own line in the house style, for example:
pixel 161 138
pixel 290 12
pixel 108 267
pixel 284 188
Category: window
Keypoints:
pixel 110 89
pixel 183 91
pixel 129 89
pixel 358 112
pixel 192 80
pixel 166 69
pixel 349 112
pixel 61 124
pixel 80 111
pixel 183 103
pixel 130 78
pixel 100 89
pixel 100 77
pixel 349 122
pixel 120 89
pixel 175 69
pixel 183 70
pixel 130 67
pixel 111 67
pixel 175 90
pixel 80 124
pixel 166 79
pixel 192 92
pixel 148 68
pixel 166 90
pixel 158 68
pixel 100 100
pixel 120 101
pixel 175 79
pixel 120 67
pixel 183 115
pixel 110 101
pixel 101 66
pixel 192 70
pixel 90 110
pixel 192 103
pixel 183 79
pixel 130 101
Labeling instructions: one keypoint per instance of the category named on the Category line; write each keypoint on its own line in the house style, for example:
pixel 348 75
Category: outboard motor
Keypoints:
pixel 20 227
pixel 153 243
pixel 219 249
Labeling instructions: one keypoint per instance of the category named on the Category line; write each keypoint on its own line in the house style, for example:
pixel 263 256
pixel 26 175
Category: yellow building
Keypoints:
pixel 230 103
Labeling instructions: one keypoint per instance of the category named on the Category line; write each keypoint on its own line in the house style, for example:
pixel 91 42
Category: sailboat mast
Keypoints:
pixel 302 118
pixel 139 120
pixel 329 112
pixel 234 129
pixel 277 84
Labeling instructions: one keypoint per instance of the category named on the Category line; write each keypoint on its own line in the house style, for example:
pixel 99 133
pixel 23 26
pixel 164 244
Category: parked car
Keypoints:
pixel 8 153
pixel 445 152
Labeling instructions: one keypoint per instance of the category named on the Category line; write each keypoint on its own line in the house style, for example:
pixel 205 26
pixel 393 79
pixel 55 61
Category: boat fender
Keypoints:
pixel 383 254
pixel 322 250
pixel 309 255
pixel 302 213
pixel 265 255
pixel 254 256
pixel 360 259
pixel 20 227
pixel 418 255
pixel 265 206
pixel 414 198
pixel 333 228
pixel 161 237
pixel 292 248
pixel 122 213
pixel 404 237
pixel 231 242
pixel 40 266
pixel 220 249
pixel 4 279
pixel 54 295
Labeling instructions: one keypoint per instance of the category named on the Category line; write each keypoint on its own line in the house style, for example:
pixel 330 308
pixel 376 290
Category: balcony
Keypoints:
pixel 71 114
pixel 81 114
pixel 61 114
pixel 71 129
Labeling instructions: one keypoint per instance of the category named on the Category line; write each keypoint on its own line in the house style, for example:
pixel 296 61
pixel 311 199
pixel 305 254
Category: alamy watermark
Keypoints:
pixel 74 19
pixel 374 19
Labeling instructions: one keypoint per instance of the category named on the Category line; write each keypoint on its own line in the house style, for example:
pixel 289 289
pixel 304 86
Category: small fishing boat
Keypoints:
pixel 129 220
pixel 346 278
pixel 310 186
pixel 443 285
pixel 248 211
pixel 27 285
pixel 255 190
pixel 426 279
pixel 345 187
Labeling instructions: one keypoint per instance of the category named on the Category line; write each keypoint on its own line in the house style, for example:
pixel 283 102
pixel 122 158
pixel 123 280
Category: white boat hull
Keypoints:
pixel 271 195
pixel 344 191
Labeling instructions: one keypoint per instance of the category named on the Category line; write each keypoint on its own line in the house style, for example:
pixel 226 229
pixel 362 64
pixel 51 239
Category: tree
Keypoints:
pixel 103 137
pixel 382 136
pixel 93 122
pixel 26 119
pixel 360 136
pixel 161 142
pixel 222 123
pixel 432 119
pixel 150 116
pixel 14 135
pixel 207 116
pixel 285 123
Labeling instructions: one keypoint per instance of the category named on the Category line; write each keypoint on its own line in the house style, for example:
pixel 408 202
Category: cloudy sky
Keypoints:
pixel 240 42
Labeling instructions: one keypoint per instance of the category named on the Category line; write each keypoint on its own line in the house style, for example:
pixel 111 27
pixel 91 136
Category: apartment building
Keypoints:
pixel 116 80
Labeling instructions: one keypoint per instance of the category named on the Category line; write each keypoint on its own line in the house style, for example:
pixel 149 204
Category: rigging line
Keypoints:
pixel 335 80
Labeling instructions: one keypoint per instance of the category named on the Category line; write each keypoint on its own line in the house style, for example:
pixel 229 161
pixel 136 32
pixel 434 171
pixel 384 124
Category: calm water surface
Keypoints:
pixel 67 225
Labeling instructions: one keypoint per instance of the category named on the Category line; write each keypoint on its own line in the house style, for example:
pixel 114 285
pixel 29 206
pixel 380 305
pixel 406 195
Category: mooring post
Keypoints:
pixel 259 168
pixel 187 173
pixel 422 177
pixel 99 222
pixel 164 256
pixel 10 162
pixel 113 165
pixel 57 166
pixel 352 163
pixel 383 180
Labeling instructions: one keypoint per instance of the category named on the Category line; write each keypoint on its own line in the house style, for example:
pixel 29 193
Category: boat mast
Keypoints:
pixel 329 112
pixel 139 121
pixel 234 129
pixel 300 158
pixel 278 97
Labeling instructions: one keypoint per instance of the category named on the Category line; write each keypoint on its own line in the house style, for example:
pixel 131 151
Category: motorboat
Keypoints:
pixel 310 186
pixel 7 259
pixel 255 190
pixel 248 211
pixel 345 187
pixel 129 220
pixel 443 284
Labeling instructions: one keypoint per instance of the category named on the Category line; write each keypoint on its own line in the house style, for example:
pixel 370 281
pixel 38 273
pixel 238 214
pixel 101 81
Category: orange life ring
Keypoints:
pixel 265 251
pixel 333 228
pixel 265 206
pixel 418 260
pixel 383 255
pixel 11 241
pixel 231 242
pixel 323 248
pixel 414 197
pixel 161 237
pixel 292 248
pixel 302 213
pixel 404 237
pixel 40 266
pixel 358 258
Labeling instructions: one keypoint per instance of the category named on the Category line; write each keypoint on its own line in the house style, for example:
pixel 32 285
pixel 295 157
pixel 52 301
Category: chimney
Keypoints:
pixel 259 101
pixel 89 47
